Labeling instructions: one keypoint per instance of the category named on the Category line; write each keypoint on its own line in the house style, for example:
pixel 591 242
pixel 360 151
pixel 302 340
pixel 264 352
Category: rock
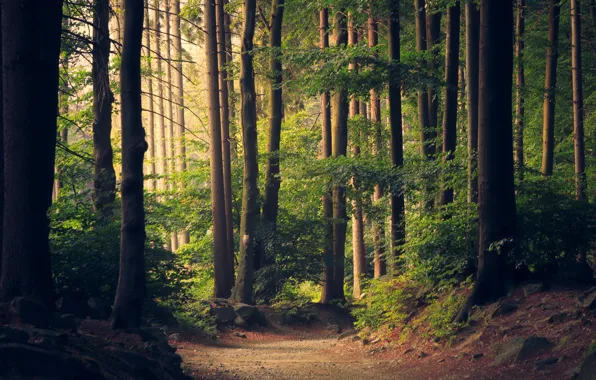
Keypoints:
pixel 532 288
pixel 407 351
pixel 346 333
pixel 477 356
pixel 47 337
pixel 175 337
pixel 240 335
pixel 557 317
pixel 4 313
pixel 334 328
pixel 13 334
pixel 223 314
pixel 240 322
pixel 260 319
pixel 30 312
pixel 588 368
pixel 355 338
pixel 540 364
pixel 67 305
pixel 98 308
pixel 64 321
pixel 587 300
pixel 422 355
pixel 504 308
pixel 520 349
pixel 245 311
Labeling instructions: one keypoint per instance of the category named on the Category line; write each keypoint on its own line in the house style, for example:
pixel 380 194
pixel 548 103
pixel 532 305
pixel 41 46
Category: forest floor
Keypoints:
pixel 328 349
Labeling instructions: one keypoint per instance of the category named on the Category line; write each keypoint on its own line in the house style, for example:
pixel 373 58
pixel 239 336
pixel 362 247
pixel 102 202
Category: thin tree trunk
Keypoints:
pixel 104 174
pixel 151 183
pixel 130 293
pixel 450 97
pixel 520 83
pixel 496 201
pixel 472 55
pixel 329 272
pixel 398 230
pixel 1 148
pixel 272 179
pixel 230 84
pixel 433 36
pixel 160 128
pixel 62 111
pixel 423 115
pixel 550 84
pixel 243 291
pixel 578 102
pixel 30 61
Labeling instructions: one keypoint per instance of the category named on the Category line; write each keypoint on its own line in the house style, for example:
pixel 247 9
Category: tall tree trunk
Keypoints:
pixel 550 84
pixel 230 83
pixel 496 196
pixel 151 183
pixel 339 147
pixel 380 261
pixel 433 37
pixel 398 220
pixel 329 272
pixel 62 111
pixel 578 102
pixel 104 174
pixel 130 293
pixel 451 81
pixel 472 55
pixel 358 248
pixel 423 115
pixel 225 125
pixel 520 84
pixel 224 269
pixel 30 61
pixel 243 291
pixel 272 179
pixel 160 128
pixel 1 148
pixel 183 237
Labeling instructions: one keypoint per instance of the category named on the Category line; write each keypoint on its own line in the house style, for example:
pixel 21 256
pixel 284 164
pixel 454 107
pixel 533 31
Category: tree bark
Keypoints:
pixel 30 60
pixel 243 291
pixel 104 175
pixel 578 102
pixel 160 128
pixel 151 183
pixel 496 196
pixel 423 115
pixel 472 54
pixel 520 84
pixel 230 84
pixel 398 220
pixel 1 148
pixel 451 92
pixel 433 37
pixel 130 293
pixel 224 270
pixel 550 84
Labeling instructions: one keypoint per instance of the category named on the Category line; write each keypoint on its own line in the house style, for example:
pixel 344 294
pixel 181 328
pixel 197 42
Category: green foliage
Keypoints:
pixel 439 314
pixel 297 294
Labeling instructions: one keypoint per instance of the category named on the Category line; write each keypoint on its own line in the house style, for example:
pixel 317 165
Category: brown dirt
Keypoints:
pixel 315 352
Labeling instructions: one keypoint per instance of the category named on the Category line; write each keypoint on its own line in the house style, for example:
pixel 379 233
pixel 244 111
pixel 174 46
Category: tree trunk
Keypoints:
pixel 272 179
pixel 243 291
pixel 130 293
pixel 433 37
pixel 104 174
pixel 329 272
pixel 230 84
pixel 224 269
pixel 578 102
pixel 160 128
pixel 496 196
pixel 1 149
pixel 472 54
pixel 450 97
pixel 398 220
pixel 520 84
pixel 31 46
pixel 423 115
pixel 339 147
pixel 225 126
pixel 151 184
pixel 550 84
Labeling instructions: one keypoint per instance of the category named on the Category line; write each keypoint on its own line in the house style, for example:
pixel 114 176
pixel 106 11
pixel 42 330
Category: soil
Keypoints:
pixel 328 349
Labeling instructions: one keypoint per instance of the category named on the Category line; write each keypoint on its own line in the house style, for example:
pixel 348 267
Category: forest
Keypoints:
pixel 398 179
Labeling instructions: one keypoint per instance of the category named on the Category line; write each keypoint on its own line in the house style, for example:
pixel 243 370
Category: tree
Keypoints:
pixel 451 81
pixel 1 148
pixel 30 58
pixel 250 192
pixel 151 185
pixel 433 36
pixel 160 129
pixel 224 269
pixel 272 179
pixel 398 230
pixel 423 115
pixel 496 196
pixel 472 55
pixel 550 83
pixel 520 83
pixel 578 102
pixel 104 175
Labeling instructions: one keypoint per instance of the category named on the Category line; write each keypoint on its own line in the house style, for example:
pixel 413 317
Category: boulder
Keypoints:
pixel 245 311
pixel 587 299
pixel 588 368
pixel 558 318
pixel 64 321
pixel 67 305
pixel 541 364
pixel 532 288
pixel 30 312
pixel 240 322
pixel 504 308
pixel 521 348
pixel 98 308
pixel 13 334
pixel 223 314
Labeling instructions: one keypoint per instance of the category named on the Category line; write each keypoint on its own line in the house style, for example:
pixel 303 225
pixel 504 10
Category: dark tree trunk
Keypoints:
pixel 520 84
pixel 550 84
pixel 104 175
pixel 423 119
pixel 272 179
pixel 231 90
pixel 472 54
pixel 578 102
pixel 31 46
pixel 131 281
pixel 224 269
pixel 329 273
pixel 160 128
pixel 1 148
pixel 451 81
pixel 151 184
pixel 496 196
pixel 433 38
pixel 243 291
pixel 398 230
